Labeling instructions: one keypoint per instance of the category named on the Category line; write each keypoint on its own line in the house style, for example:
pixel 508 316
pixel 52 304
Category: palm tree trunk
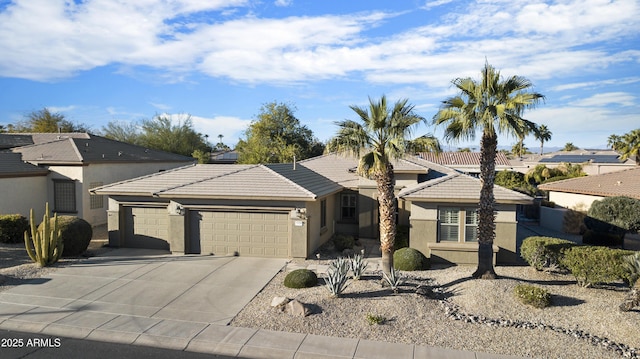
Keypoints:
pixel 387 210
pixel 486 210
pixel 541 144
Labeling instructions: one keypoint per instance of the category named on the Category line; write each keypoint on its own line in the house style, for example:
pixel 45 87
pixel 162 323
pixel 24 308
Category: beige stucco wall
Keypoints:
pixel 100 172
pixel 423 234
pixel 19 195
pixel 571 200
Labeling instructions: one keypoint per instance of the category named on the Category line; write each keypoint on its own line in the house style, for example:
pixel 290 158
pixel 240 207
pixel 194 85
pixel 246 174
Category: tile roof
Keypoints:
pixel 12 165
pixel 462 158
pixel 460 188
pixel 582 158
pixel 618 183
pixel 10 140
pixel 273 181
pixel 86 148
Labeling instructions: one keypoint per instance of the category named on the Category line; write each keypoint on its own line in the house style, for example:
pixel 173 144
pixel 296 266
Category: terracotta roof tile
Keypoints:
pixel 462 158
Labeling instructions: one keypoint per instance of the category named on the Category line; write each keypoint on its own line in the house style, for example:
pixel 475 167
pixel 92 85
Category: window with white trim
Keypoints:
pixel 457 224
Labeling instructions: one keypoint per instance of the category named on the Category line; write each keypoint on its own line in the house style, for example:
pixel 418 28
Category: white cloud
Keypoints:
pixel 435 3
pixel 283 3
pixel 609 98
pixel 232 128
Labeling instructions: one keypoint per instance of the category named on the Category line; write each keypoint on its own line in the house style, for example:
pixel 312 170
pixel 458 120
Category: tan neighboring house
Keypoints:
pixel 579 193
pixel 74 163
pixel 24 186
pixel 583 191
pixel 289 210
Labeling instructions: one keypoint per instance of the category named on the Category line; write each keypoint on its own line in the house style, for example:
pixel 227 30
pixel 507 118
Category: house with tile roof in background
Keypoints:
pixel 290 210
pixel 60 168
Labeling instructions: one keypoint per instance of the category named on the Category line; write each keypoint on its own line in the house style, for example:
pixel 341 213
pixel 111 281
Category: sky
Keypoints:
pixel 220 61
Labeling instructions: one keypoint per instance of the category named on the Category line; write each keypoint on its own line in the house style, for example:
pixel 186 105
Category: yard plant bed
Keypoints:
pixel 467 314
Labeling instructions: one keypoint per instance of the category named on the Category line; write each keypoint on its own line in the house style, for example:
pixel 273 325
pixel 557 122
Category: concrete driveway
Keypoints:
pixel 129 291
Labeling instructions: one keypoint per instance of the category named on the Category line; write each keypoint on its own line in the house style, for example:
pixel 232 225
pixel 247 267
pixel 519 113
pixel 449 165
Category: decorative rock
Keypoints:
pixel 279 301
pixel 296 308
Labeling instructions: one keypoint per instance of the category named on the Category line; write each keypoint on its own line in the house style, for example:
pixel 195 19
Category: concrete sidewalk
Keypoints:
pixel 144 297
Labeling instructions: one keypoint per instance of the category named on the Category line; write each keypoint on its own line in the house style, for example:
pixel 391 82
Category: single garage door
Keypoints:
pixel 257 234
pixel 147 227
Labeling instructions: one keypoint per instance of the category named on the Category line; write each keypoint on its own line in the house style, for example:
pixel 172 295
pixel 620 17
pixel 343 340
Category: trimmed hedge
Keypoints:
pixel 301 278
pixel 544 252
pixel 409 259
pixel 532 295
pixel 12 228
pixel 76 234
pixel 596 265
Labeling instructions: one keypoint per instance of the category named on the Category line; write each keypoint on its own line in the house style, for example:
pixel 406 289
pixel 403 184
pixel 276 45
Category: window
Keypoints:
pixel 96 201
pixel 448 224
pixel 348 204
pixel 451 228
pixel 64 196
pixel 323 213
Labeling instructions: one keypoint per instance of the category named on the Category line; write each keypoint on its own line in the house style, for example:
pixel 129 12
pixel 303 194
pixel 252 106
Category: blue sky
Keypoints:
pixel 97 61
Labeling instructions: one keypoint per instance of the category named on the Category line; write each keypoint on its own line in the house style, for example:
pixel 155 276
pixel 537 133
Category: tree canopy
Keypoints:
pixel 627 145
pixel 277 136
pixel 160 133
pixel 45 121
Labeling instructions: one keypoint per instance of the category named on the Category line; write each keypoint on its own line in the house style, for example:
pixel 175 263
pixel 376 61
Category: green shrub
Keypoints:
pixel 402 237
pixel 301 278
pixel 76 234
pixel 632 264
pixel 544 252
pixel 375 319
pixel 532 295
pixel 342 242
pixel 595 265
pixel 546 203
pixel 409 259
pixel 622 214
pixel 12 227
pixel 602 239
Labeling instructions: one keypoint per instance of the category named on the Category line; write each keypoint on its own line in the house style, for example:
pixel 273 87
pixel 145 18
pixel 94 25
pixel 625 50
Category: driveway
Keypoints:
pixel 129 291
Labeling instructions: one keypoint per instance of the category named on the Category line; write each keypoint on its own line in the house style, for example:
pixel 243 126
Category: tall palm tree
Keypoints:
pixel 492 106
pixel 627 145
pixel 380 136
pixel 543 135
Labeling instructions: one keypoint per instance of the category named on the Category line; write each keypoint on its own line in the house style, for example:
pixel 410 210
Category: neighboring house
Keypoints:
pixel 583 191
pixel 76 162
pixel 594 162
pixel 465 162
pixel 289 210
pixel 24 186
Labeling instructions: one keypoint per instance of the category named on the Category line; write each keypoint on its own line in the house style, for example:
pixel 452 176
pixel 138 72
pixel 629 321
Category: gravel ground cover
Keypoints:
pixel 466 314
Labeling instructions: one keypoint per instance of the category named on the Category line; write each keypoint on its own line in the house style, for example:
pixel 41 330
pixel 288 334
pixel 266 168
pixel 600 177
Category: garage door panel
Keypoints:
pixel 263 234
pixel 147 228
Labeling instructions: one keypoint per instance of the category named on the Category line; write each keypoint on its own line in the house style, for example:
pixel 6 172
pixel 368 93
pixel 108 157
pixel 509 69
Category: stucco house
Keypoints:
pixel 68 165
pixel 583 191
pixel 593 161
pixel 289 210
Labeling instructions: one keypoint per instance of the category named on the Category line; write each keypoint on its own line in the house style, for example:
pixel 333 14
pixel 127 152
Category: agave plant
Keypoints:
pixel 336 280
pixel 358 266
pixel 394 279
pixel 632 265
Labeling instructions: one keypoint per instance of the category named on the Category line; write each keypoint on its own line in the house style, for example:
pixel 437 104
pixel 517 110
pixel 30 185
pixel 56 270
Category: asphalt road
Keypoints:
pixel 15 345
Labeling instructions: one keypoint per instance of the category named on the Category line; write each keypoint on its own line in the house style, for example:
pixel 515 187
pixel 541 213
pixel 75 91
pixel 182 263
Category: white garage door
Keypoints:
pixel 258 234
pixel 147 227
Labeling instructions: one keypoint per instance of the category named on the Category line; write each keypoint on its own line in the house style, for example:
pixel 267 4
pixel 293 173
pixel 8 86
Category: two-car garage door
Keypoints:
pixel 249 233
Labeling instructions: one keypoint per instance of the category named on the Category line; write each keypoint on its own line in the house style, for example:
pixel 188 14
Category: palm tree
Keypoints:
pixel 493 106
pixel 382 134
pixel 543 136
pixel 569 146
pixel 627 145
